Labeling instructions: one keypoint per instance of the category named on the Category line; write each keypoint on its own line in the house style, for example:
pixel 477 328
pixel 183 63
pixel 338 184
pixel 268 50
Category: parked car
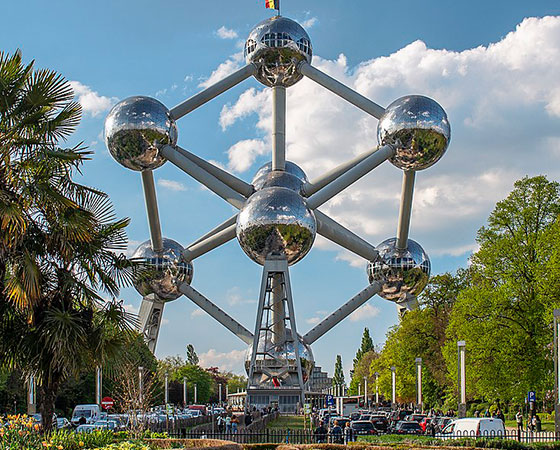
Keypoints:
pixel 62 423
pixel 415 417
pixel 341 421
pixel 483 426
pixel 424 423
pixel 407 427
pixel 380 422
pixel 87 413
pixel 106 425
pixel 86 428
pixel 441 422
pixel 361 427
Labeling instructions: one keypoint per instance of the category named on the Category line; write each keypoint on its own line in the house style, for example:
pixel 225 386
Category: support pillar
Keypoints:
pixel 393 387
pixel 98 385
pixel 461 379
pixel 150 315
pixel 376 389
pixel 419 401
pixel 31 396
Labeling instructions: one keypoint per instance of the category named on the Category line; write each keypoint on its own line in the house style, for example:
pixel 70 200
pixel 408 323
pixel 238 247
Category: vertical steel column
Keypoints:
pixel 31 396
pixel 184 391
pixel 366 400
pixel 98 384
pixel 461 379
pixel 195 394
pixel 405 209
pixel 166 390
pixel 278 311
pixel 393 387
pixel 152 210
pixel 220 393
pixel 278 128
pixel 419 383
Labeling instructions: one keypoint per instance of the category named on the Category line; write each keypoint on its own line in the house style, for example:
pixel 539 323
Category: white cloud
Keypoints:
pixel 308 23
pixel 503 102
pixel 227 361
pixel 364 312
pixel 131 247
pixel 92 103
pixel 236 298
pixel 198 313
pixel 226 33
pixel 313 320
pixel 223 70
pixel 129 307
pixel 171 185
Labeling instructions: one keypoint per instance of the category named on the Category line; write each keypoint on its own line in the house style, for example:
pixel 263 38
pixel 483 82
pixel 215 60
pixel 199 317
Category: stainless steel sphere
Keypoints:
pixel 293 177
pixel 161 273
pixel 276 221
pixel 136 129
pixel 402 273
pixel 418 128
pixel 276 46
pixel 278 357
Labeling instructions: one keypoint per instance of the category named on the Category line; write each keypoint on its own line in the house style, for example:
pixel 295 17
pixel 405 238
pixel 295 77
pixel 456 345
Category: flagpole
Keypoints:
pixel 278 8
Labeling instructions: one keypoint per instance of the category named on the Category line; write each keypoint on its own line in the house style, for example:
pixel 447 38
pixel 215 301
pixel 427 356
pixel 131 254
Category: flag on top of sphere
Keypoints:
pixel 272 4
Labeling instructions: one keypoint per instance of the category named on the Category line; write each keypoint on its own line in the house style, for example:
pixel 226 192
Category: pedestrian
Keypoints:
pixel 430 428
pixel 336 434
pixel 348 434
pixel 534 423
pixel 500 415
pixel 519 420
pixel 320 433
pixel 220 422
pixel 248 419
pixel 228 424
pixel 234 424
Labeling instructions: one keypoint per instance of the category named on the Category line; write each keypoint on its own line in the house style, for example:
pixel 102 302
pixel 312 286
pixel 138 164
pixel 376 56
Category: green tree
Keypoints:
pixel 58 242
pixel 366 346
pixel 192 357
pixel 338 378
pixel 356 379
pixel 178 369
pixel 361 371
pixel 505 312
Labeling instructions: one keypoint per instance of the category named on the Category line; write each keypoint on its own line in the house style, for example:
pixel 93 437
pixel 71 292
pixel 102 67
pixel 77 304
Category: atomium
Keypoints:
pixel 161 273
pixel 136 129
pixel 418 129
pixel 403 273
pixel 278 212
pixel 276 46
pixel 276 222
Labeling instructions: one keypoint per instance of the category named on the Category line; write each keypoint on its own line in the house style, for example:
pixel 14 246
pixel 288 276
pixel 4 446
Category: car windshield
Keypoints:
pixel 410 426
pixel 82 413
pixel 362 426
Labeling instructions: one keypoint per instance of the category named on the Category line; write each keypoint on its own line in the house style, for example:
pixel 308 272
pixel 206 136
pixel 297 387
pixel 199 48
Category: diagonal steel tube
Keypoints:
pixel 335 232
pixel 203 177
pixel 310 188
pixel 152 210
pixel 209 93
pixel 351 96
pixel 210 243
pixel 405 210
pixel 341 313
pixel 213 231
pixel 350 176
pixel 214 311
pixel 232 181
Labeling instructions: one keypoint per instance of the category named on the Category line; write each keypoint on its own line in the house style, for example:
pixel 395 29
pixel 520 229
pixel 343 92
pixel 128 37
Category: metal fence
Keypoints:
pixel 300 436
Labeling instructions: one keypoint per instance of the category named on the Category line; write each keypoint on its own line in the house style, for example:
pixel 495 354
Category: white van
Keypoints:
pixel 90 413
pixel 473 427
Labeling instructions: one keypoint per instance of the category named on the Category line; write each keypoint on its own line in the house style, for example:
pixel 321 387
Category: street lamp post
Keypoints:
pixel 166 388
pixel 376 389
pixel 419 384
pixel 220 393
pixel 366 400
pixel 98 384
pixel 557 371
pixel 184 391
pixel 140 385
pixel 462 379
pixel 393 387
pixel 195 394
pixel 31 397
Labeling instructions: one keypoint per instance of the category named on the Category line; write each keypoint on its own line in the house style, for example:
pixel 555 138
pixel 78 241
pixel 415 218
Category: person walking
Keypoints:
pixel 228 424
pixel 348 434
pixel 519 420
pixel 320 433
pixel 220 422
pixel 335 434
pixel 234 424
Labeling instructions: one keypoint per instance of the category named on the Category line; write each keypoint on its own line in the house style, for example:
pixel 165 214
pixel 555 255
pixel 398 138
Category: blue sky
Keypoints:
pixel 492 65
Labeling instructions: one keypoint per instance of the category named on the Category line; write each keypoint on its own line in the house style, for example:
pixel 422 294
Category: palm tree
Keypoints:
pixel 58 239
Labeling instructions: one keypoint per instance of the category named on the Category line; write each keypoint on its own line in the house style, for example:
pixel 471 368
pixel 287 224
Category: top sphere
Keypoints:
pixel 293 177
pixel 136 129
pixel 276 46
pixel 418 128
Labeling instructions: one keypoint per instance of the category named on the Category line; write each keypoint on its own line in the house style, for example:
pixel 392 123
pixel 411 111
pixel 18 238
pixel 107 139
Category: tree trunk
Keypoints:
pixel 49 392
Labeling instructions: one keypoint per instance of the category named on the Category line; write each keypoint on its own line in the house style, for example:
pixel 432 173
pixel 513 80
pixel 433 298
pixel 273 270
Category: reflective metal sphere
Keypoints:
pixel 276 221
pixel 402 273
pixel 418 128
pixel 161 274
pixel 135 129
pixel 276 46
pixel 278 358
pixel 408 305
pixel 293 177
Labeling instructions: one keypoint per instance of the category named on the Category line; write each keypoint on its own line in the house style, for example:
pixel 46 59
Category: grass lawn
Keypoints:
pixel 292 422
pixel 545 425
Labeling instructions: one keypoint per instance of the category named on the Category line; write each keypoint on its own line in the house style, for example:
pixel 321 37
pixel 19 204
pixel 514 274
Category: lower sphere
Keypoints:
pixel 402 273
pixel 276 222
pixel 161 273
